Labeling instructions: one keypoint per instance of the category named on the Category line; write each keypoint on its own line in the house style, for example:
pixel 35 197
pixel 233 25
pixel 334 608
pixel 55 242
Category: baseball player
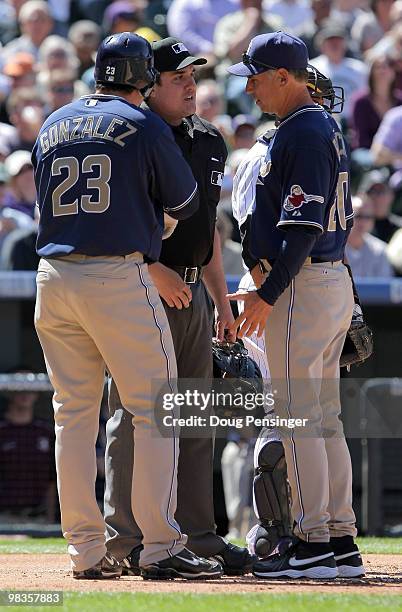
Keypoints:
pixel 307 295
pixel 105 172
pixel 189 270
pixel 270 488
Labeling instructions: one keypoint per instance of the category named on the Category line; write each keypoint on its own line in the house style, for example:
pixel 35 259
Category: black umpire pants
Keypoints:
pixel 191 331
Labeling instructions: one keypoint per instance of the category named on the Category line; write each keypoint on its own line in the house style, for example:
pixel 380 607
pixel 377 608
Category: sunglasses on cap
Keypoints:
pixel 248 61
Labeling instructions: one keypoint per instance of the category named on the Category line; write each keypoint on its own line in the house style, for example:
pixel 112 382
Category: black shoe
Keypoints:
pixel 183 565
pixel 106 568
pixel 300 560
pixel 131 563
pixel 347 557
pixel 235 561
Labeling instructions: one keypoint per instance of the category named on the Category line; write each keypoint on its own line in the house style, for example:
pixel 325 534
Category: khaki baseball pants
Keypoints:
pixel 92 313
pixel 304 336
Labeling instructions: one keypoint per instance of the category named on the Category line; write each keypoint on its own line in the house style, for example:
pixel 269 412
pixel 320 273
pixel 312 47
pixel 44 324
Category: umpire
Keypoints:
pixel 191 254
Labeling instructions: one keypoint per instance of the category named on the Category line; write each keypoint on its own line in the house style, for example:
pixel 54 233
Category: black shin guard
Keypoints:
pixel 272 498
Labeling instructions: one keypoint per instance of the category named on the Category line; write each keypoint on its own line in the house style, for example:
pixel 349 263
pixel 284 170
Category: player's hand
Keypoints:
pixel 223 320
pixel 258 276
pixel 171 286
pixel 255 314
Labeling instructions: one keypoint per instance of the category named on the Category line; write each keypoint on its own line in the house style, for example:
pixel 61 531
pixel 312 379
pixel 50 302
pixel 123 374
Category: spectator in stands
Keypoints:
pixel 366 253
pixel 20 69
pixel 36 23
pixel 321 10
pixel 392 40
pixel 349 73
pixel 243 127
pixel 11 219
pixel 25 109
pixel 57 53
pixel 194 21
pixel 294 14
pixel 122 16
pixel 27 471
pixel 18 251
pixel 231 38
pixel 211 104
pixel 59 88
pixel 85 36
pixel 62 14
pixel 8 23
pixel 371 26
pixel 387 143
pixel 376 188
pixel 346 12
pixel 127 16
pixel 235 30
pixel 370 106
pixel 21 193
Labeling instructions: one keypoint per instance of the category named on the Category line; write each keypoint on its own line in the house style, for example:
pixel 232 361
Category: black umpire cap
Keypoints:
pixel 171 54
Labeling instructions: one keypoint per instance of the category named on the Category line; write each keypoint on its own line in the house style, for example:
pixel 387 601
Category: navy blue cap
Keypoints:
pixel 272 51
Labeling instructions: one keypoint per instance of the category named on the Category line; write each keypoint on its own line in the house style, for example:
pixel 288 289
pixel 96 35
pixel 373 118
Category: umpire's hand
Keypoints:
pixel 171 286
pixel 254 316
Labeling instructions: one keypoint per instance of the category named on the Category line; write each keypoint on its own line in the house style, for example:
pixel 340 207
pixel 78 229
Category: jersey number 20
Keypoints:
pixel 88 203
pixel 339 205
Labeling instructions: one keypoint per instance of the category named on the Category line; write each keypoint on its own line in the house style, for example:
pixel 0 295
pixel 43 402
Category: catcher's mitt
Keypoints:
pixel 359 341
pixel 235 373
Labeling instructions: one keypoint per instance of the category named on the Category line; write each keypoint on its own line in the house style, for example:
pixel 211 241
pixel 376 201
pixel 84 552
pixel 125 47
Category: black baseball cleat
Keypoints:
pixel 183 565
pixel 300 560
pixel 131 563
pixel 347 557
pixel 234 560
pixel 106 568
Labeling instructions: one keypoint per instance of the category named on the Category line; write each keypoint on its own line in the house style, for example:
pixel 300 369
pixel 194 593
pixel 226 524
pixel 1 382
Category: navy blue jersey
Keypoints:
pixel 303 180
pixel 105 171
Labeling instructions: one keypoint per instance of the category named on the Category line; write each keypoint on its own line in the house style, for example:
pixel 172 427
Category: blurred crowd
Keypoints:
pixel 47 53
pixel 47 56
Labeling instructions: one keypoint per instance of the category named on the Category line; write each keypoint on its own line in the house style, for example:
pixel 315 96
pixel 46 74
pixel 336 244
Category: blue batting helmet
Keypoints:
pixel 126 59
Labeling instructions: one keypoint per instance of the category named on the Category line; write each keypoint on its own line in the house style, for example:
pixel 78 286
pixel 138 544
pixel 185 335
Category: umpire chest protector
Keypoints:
pixel 205 151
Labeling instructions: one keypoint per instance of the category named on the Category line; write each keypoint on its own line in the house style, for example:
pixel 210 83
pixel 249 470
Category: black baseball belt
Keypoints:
pixel 190 274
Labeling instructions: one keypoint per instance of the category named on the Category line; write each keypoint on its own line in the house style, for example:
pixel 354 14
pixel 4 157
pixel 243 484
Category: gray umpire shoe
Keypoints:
pixel 300 560
pixel 106 568
pixel 347 557
pixel 183 565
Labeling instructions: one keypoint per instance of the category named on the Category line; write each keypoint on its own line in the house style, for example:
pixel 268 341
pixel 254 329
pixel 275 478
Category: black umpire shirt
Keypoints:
pixel 203 147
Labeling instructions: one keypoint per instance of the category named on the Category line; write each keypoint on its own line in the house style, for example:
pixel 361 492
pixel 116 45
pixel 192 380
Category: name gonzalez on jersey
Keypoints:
pixel 78 128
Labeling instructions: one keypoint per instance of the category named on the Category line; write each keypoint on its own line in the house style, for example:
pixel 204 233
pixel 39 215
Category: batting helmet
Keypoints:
pixel 331 97
pixel 126 59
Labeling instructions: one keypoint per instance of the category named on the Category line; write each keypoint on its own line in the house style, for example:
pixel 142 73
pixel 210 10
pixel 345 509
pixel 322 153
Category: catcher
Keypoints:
pixel 270 491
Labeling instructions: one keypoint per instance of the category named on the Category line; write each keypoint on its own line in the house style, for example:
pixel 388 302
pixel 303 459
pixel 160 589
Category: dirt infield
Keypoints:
pixel 51 572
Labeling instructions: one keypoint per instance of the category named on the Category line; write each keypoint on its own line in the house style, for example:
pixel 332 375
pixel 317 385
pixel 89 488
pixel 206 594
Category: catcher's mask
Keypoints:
pixel 322 91
pixel 237 372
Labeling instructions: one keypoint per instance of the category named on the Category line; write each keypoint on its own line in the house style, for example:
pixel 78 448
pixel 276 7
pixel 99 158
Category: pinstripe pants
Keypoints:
pixel 305 334
pixel 93 312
